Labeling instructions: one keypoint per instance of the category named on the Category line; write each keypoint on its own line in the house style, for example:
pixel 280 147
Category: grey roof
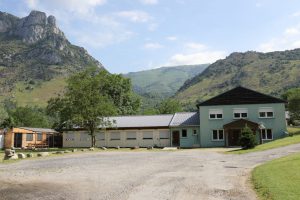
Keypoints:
pixel 40 130
pixel 136 121
pixel 185 119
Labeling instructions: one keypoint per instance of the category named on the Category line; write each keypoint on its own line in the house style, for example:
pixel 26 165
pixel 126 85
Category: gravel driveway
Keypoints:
pixel 184 174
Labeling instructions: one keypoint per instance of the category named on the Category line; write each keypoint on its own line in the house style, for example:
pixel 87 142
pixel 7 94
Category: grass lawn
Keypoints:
pixel 274 144
pixel 278 179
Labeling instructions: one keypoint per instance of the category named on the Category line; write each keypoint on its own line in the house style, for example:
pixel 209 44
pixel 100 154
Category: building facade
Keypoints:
pixel 217 123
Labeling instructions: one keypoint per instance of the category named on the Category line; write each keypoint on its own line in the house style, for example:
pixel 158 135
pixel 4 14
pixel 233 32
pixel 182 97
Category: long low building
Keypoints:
pixel 218 122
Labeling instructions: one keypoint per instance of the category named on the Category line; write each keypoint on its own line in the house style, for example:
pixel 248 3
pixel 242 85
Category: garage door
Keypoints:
pixel 147 138
pixel 164 138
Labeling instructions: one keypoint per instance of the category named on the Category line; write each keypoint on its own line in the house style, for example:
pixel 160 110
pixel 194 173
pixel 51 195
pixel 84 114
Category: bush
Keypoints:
pixel 247 139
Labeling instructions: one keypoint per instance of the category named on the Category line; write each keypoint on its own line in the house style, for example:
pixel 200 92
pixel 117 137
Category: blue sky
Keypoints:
pixel 134 35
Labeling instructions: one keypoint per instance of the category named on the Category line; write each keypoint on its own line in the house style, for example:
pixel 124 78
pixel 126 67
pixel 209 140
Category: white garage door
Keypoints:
pixel 164 138
pixel 147 138
pixel 1 141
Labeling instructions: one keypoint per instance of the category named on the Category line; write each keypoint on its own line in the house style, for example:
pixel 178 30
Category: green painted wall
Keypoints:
pixel 277 124
pixel 191 140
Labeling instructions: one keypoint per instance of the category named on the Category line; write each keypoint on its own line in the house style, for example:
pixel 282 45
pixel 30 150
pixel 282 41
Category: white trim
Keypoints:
pixel 266 110
pixel 266 129
pixel 218 134
pixel 240 111
pixel 215 112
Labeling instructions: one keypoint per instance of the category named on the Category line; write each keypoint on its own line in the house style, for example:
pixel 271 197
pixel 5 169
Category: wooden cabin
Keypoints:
pixel 26 137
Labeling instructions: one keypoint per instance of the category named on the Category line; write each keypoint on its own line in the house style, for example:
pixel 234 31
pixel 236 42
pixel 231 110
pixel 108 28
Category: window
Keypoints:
pixel 266 113
pixel 194 132
pixel 70 136
pixel 29 137
pixel 131 135
pixel 215 113
pixel 39 136
pixel 100 136
pixel 164 134
pixel 147 135
pixel 115 136
pixel 239 113
pixel 218 135
pixel 266 134
pixel 183 133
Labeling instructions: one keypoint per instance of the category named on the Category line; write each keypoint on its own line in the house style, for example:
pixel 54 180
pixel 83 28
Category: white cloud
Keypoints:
pixel 149 2
pixel 289 39
pixel 153 46
pixel 296 14
pixel 195 46
pixel 135 15
pixel 171 38
pixel 153 27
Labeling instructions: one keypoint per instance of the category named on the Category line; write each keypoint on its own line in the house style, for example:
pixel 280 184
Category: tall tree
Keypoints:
pixel 91 96
pixel 293 98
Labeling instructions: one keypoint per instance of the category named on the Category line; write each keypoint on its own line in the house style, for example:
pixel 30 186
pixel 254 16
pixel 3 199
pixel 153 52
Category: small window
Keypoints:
pixel 218 135
pixel 194 132
pixel 29 137
pixel 115 136
pixel 147 135
pixel 164 134
pixel 215 113
pixel 39 136
pixel 131 136
pixel 266 113
pixel 239 113
pixel 266 134
pixel 184 133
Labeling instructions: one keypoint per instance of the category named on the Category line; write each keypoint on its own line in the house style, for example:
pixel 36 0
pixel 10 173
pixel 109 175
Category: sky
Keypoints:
pixel 135 35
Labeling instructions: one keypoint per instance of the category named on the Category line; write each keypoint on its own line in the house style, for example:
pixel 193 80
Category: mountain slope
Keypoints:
pixel 34 52
pixel 164 81
pixel 270 73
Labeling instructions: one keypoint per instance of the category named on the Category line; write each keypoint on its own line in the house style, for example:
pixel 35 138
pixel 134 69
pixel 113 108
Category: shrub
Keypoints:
pixel 247 139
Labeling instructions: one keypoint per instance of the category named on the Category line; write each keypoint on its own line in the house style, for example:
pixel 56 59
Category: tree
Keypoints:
pixel 91 96
pixel 247 139
pixel 169 106
pixel 293 98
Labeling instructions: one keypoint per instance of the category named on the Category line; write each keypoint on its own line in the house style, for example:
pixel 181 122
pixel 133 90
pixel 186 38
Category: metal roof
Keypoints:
pixel 185 119
pixel 40 130
pixel 139 121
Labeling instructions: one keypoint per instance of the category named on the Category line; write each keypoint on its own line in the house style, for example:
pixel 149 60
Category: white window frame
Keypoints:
pixel 266 110
pixel 218 134
pixel 129 135
pixel 215 112
pixel 240 111
pixel 266 133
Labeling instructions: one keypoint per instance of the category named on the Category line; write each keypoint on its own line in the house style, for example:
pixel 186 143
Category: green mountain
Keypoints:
pixel 271 73
pixel 36 58
pixel 164 81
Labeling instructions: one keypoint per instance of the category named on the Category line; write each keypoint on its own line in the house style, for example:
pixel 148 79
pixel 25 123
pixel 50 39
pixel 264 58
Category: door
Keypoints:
pixel 175 139
pixel 234 137
pixel 18 140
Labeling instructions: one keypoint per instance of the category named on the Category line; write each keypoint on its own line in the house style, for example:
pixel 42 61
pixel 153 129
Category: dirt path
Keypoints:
pixel 187 174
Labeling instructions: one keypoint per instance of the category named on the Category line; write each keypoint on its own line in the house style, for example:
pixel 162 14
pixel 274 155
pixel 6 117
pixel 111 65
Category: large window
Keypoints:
pixel 239 113
pixel 266 134
pixel 266 113
pixel 147 135
pixel 39 136
pixel 215 113
pixel 184 133
pixel 115 136
pixel 29 137
pixel 164 134
pixel 218 135
pixel 131 135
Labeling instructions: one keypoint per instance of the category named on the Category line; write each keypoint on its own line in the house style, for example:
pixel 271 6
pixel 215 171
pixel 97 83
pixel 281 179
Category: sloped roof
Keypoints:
pixel 139 121
pixel 240 95
pixel 185 119
pixel 39 130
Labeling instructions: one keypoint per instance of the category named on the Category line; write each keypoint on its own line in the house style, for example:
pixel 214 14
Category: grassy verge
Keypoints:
pixel 278 179
pixel 274 144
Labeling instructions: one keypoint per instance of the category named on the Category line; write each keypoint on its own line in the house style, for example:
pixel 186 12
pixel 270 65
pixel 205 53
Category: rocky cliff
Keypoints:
pixel 34 49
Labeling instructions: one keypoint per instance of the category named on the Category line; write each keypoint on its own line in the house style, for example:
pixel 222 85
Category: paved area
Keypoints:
pixel 184 174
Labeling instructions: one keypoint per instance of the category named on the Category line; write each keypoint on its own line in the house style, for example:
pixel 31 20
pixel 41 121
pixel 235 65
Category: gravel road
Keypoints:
pixel 184 174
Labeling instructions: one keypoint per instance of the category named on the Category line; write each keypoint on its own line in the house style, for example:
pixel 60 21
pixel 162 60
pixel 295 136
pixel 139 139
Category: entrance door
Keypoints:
pixel 175 139
pixel 18 140
pixel 234 137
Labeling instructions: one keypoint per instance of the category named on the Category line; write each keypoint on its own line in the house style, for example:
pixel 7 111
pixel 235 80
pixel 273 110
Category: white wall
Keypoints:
pixel 78 139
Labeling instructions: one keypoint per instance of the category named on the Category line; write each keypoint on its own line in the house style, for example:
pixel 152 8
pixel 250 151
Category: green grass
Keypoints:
pixel 278 179
pixel 294 130
pixel 274 144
